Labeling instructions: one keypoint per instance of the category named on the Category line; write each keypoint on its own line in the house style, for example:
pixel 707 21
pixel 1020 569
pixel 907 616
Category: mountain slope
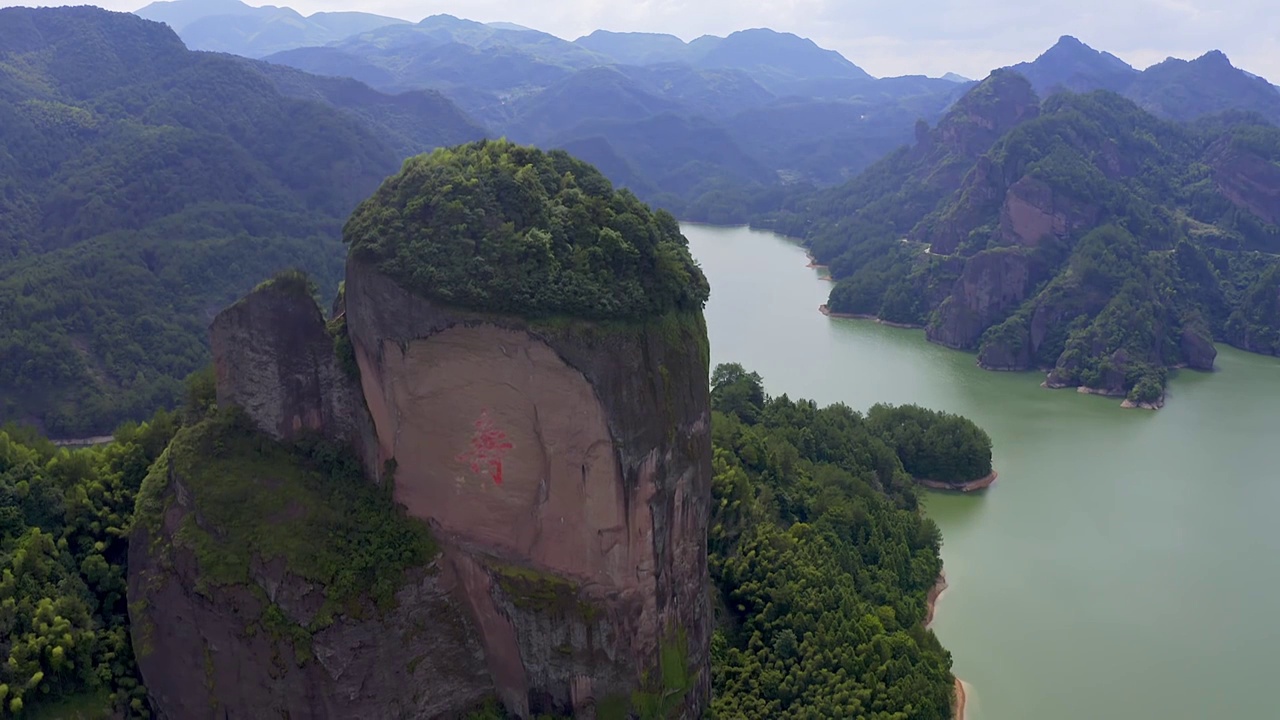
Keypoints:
pixel 1185 90
pixel 144 187
pixel 1081 235
pixel 411 122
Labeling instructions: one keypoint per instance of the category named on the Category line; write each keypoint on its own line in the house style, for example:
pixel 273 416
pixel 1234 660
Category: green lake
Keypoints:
pixel 1125 566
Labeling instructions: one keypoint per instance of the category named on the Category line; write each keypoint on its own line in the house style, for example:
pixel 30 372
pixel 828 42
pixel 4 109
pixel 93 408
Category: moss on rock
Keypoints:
pixel 308 505
pixel 543 592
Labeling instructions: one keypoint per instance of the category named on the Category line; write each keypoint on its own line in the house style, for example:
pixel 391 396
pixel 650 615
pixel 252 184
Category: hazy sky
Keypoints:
pixel 896 37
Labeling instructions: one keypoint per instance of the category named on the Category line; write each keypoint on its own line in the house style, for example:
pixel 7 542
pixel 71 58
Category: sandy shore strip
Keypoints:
pixel 979 484
pixel 859 316
pixel 931 600
pixel 813 263
pixel 962 698
pixel 962 689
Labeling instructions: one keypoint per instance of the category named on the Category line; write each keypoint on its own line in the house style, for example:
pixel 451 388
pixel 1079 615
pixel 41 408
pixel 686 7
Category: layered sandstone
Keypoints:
pixel 567 472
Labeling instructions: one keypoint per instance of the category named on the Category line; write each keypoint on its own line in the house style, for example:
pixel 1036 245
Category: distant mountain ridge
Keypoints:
pixel 234 27
pixel 1176 89
pixel 803 115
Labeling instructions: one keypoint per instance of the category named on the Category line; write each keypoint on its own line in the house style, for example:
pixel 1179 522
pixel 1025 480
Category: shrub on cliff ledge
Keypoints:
pixel 499 227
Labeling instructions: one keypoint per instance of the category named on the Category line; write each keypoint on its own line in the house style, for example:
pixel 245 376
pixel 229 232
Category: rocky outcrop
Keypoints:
pixel 545 484
pixel 992 285
pixel 1249 181
pixel 274 357
pixel 1197 346
pixel 979 197
pixel 222 652
pixel 1000 102
pixel 566 468
pixel 1033 211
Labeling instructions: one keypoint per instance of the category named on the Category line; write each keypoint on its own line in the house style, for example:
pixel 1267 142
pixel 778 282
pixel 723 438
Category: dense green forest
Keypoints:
pixel 820 555
pixel 144 187
pixel 64 520
pixel 1081 235
pixel 822 561
pixel 570 245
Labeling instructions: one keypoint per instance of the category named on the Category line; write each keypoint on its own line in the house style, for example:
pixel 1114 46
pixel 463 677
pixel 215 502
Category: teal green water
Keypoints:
pixel 1126 564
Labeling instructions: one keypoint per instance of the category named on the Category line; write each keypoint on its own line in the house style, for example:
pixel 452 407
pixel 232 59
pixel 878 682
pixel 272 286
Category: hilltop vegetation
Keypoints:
pixel 143 188
pixel 499 227
pixel 1080 234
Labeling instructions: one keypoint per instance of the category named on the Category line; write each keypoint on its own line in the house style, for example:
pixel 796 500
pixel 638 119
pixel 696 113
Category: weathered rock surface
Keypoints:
pixel 208 651
pixel 977 120
pixel 992 285
pixel 274 357
pixel 979 196
pixel 1197 347
pixel 1033 211
pixel 567 471
pixel 1249 181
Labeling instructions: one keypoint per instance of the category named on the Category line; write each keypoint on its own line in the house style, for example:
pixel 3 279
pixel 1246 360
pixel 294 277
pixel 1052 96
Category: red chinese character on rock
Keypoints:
pixel 488 446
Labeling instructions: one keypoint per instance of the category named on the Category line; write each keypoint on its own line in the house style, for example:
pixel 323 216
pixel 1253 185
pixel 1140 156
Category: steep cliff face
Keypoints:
pixel 274 357
pixel 566 470
pixel 1247 179
pixel 231 563
pixel 992 285
pixel 1034 211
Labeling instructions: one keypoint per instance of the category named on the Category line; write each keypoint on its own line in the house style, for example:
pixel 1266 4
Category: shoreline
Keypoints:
pixel 813 263
pixel 971 486
pixel 1127 404
pixel 825 310
pixel 961 696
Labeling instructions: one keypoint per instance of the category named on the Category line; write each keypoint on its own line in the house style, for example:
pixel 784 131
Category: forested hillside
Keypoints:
pixel 144 187
pixel 822 563
pixel 1080 234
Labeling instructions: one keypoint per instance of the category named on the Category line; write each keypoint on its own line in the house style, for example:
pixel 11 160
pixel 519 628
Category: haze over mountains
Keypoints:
pixel 750 113
pixel 719 129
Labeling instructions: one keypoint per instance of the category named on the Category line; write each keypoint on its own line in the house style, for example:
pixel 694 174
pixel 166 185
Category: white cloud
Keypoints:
pixel 894 37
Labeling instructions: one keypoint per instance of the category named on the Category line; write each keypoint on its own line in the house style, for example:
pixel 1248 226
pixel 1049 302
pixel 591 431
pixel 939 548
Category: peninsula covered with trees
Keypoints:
pixel 822 558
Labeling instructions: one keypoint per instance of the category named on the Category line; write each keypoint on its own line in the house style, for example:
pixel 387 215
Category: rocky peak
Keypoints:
pixel 539 399
pixel 1072 65
pixel 987 112
pixel 1214 58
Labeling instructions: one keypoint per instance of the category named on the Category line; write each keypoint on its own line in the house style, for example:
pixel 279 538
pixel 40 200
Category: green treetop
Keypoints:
pixel 498 227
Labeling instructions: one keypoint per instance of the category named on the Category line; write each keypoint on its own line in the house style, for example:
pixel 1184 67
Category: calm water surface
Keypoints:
pixel 1126 565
